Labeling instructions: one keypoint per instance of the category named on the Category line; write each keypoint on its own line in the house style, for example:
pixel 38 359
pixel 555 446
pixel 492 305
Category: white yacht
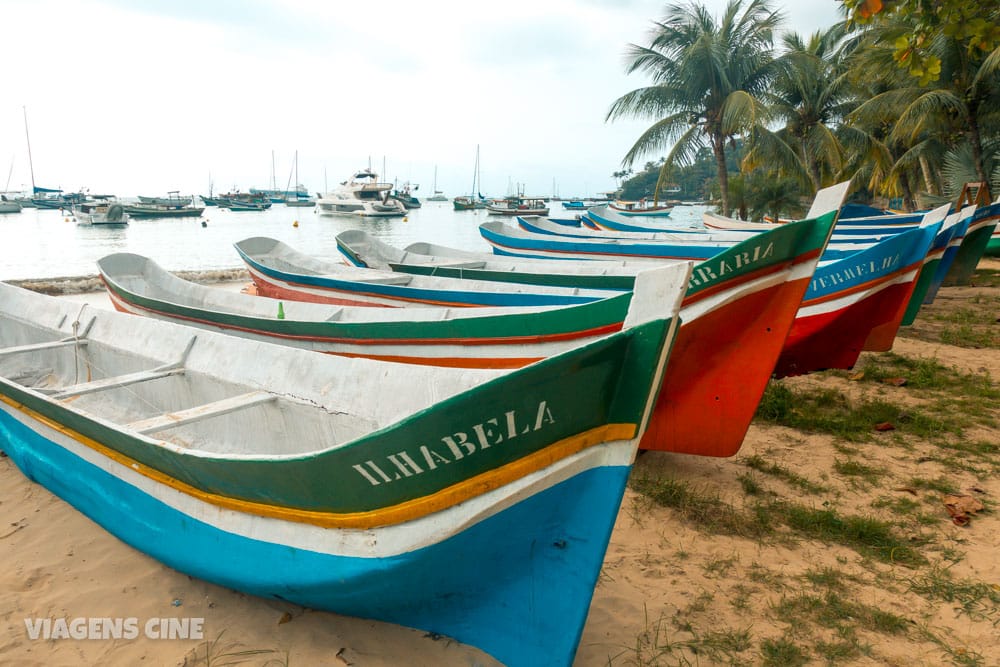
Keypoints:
pixel 363 195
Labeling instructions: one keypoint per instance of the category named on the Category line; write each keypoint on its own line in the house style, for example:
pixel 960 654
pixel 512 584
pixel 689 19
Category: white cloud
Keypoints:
pixel 144 97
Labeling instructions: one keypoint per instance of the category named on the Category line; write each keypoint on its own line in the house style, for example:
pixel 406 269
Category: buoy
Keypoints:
pixel 281 310
pixel 295 223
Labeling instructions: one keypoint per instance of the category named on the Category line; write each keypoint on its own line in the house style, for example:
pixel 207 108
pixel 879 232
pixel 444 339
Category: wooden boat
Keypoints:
pixel 855 303
pixel 977 238
pixel 463 203
pixel 160 211
pixel 471 504
pixel 507 239
pixel 993 245
pixel 9 205
pixel 281 272
pixel 641 208
pixel 601 217
pixel 245 205
pixel 172 199
pixel 744 298
pixel 868 225
pixel 939 258
pixel 462 337
pixel 518 206
pixel 960 223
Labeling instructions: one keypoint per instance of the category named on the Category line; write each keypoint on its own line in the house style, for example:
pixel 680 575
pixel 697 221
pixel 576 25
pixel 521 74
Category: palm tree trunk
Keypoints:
pixel 976 142
pixel 909 202
pixel 812 166
pixel 719 150
pixel 925 170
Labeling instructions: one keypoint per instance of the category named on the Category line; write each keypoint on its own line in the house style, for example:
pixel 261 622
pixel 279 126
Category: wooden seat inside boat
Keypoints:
pixel 201 412
pixel 388 280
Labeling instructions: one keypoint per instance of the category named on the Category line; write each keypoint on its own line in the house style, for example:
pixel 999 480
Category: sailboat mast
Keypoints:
pixel 475 173
pixel 31 165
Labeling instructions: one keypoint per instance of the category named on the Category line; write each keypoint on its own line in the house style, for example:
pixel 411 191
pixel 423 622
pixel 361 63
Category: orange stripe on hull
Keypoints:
pixel 275 292
pixel 718 369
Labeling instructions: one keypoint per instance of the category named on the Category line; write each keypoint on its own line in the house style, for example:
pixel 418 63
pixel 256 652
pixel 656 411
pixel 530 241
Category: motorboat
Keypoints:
pixel 363 195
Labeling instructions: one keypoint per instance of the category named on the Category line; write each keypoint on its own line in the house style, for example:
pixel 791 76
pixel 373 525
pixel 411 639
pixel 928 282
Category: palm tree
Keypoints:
pixel 959 108
pixel 707 76
pixel 809 97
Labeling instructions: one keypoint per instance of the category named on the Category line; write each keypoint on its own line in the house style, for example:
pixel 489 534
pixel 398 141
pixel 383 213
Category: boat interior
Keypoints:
pixel 204 391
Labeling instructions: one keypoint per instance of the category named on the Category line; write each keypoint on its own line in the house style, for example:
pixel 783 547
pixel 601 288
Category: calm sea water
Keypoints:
pixel 40 243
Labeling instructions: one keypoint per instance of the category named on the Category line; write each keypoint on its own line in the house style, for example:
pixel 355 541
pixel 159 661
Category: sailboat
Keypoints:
pixel 438 195
pixel 474 200
pixel 296 198
pixel 46 197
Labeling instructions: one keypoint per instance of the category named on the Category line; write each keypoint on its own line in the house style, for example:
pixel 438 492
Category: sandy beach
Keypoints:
pixel 721 575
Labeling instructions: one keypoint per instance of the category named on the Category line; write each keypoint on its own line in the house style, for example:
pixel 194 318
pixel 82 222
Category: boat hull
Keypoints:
pixel 718 384
pixel 462 587
pixel 976 243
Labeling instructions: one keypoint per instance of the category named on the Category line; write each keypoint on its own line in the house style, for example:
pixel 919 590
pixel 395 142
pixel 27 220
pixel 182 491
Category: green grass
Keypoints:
pixel 867 535
pixel 782 653
pixel 831 610
pixel 654 645
pixel 831 412
pixel 925 374
pixel 938 484
pixel 758 463
pixel 708 512
pixel 977 600
pixel 829 578
pixel 856 469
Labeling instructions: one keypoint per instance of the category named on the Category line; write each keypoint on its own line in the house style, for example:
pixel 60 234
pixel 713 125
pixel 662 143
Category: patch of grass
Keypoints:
pixel 707 511
pixel 830 411
pixel 958 656
pixel 829 578
pixel 852 468
pixel 782 653
pixel 214 654
pixel 751 486
pixel 740 597
pixel 967 327
pixel 985 278
pixel 758 463
pixel 840 651
pixel 761 574
pixel 833 611
pixel 939 484
pixel 654 644
pixel 718 566
pixel 922 373
pixel 867 535
pixel 977 600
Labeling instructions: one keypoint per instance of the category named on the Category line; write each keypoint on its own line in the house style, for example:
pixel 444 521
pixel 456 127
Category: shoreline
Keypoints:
pixel 92 283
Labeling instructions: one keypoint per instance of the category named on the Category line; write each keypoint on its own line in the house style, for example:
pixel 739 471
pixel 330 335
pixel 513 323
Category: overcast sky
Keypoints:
pixel 135 97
